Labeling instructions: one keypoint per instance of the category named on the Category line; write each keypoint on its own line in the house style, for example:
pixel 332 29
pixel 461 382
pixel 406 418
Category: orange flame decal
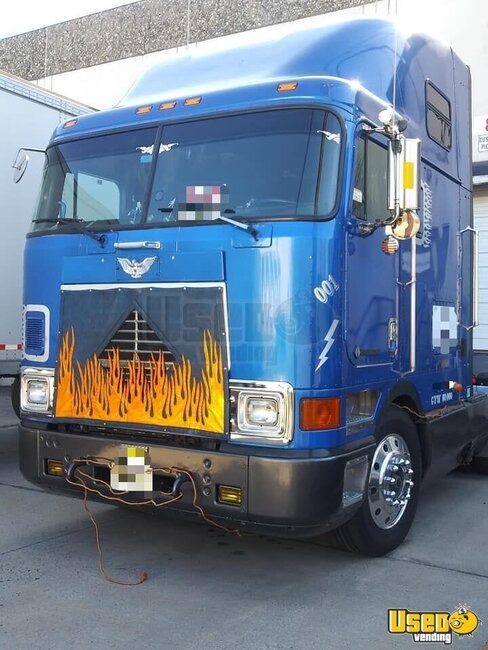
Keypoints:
pixel 143 395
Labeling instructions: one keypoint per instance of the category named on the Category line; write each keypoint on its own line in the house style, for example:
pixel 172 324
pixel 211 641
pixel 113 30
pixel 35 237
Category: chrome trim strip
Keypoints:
pixel 127 245
pixel 138 285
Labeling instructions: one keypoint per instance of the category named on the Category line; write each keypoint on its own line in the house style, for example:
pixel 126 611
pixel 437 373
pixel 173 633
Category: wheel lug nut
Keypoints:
pixel 410 471
pixel 393 468
pixel 396 502
pixel 389 500
pixel 388 479
pixel 407 462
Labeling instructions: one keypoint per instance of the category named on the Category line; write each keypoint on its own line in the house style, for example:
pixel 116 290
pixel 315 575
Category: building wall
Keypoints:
pixel 144 27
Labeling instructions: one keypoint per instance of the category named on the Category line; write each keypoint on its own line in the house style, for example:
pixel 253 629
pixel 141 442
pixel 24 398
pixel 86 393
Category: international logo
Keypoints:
pixel 135 269
pixel 433 627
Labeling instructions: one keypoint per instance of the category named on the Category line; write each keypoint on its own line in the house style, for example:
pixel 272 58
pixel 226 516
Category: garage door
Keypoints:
pixel 480 211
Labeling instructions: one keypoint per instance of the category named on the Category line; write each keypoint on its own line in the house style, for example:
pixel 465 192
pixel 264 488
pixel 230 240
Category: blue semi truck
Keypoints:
pixel 254 280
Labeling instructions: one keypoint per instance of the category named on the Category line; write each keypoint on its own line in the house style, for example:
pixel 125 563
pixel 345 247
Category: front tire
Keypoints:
pixel 389 506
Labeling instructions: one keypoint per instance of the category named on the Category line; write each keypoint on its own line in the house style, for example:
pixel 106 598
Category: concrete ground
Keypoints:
pixel 209 589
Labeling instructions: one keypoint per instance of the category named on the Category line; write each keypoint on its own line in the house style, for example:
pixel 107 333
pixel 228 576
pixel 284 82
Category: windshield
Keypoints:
pixel 282 163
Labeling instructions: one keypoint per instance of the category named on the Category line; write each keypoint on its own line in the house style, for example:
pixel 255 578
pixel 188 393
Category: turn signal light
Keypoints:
pixel 142 110
pixel 69 124
pixel 286 87
pixel 229 495
pixel 317 413
pixel 192 101
pixel 54 468
pixel 166 106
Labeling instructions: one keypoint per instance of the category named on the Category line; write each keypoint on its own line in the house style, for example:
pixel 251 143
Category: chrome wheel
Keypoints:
pixel 390 482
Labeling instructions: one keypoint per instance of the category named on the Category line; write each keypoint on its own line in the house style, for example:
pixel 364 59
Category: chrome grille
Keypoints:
pixel 135 336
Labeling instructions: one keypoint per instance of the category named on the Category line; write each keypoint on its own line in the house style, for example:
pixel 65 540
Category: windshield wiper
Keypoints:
pixel 238 224
pixel 77 225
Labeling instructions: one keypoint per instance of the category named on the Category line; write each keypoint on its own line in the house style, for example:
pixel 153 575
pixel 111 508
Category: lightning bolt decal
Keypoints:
pixel 329 341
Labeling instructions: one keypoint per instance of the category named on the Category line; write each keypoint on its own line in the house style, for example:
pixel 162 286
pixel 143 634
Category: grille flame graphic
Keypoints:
pixel 140 394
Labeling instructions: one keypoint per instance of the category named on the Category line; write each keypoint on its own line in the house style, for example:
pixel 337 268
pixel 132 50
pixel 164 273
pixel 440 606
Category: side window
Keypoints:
pixel 370 192
pixel 438 116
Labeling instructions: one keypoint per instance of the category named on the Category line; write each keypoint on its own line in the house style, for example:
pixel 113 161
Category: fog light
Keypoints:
pixel 54 468
pixel 229 495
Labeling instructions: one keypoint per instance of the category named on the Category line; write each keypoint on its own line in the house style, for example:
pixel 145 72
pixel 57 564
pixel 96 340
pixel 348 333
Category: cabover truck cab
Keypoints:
pixel 255 277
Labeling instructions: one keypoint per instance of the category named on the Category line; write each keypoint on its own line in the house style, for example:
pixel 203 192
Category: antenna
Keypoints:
pixel 395 57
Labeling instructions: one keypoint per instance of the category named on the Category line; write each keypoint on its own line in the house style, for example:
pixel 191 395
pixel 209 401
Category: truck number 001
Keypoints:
pixel 327 289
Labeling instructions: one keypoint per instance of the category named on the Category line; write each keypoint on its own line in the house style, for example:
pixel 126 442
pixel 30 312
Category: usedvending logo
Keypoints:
pixel 433 627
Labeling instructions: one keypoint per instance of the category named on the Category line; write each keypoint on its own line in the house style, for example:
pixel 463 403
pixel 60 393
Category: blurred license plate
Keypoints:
pixel 132 472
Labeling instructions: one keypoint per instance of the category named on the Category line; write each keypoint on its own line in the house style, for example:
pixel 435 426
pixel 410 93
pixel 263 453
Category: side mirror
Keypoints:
pixel 22 160
pixel 20 165
pixel 404 174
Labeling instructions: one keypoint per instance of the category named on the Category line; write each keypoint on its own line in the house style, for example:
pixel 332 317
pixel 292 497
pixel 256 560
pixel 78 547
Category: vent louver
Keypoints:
pixel 35 325
pixel 135 336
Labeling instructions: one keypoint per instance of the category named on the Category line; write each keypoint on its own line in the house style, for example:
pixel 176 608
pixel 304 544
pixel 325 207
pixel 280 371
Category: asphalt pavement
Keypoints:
pixel 209 589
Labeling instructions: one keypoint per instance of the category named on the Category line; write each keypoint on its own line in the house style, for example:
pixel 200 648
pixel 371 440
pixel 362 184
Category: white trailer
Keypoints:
pixel 28 116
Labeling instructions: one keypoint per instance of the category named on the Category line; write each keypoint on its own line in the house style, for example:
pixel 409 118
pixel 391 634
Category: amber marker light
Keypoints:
pixel 54 468
pixel 143 110
pixel 167 106
pixel 287 87
pixel 69 124
pixel 229 495
pixel 317 413
pixel 193 101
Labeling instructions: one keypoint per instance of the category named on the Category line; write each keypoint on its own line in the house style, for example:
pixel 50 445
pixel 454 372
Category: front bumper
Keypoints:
pixel 281 494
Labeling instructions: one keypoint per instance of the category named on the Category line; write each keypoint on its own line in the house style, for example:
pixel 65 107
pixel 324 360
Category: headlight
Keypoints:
pixel 37 390
pixel 262 412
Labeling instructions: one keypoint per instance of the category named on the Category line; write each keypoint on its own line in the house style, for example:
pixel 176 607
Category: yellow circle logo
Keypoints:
pixel 463 621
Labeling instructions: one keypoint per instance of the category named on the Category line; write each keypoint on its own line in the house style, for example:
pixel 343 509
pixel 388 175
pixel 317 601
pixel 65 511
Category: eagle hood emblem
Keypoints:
pixel 136 269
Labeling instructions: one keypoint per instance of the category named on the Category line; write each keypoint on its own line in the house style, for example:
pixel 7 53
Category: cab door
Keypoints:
pixel 372 327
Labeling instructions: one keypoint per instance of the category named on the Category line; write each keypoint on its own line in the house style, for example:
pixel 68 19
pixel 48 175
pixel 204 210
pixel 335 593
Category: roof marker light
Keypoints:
pixel 192 101
pixel 166 106
pixel 142 110
pixel 69 124
pixel 286 87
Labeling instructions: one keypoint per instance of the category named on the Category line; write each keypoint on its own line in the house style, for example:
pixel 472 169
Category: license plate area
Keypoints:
pixel 132 472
